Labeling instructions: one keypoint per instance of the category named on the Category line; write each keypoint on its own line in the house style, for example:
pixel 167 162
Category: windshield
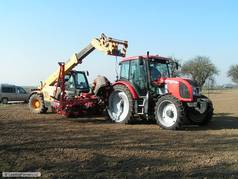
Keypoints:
pixel 158 69
pixel 81 81
pixel 78 81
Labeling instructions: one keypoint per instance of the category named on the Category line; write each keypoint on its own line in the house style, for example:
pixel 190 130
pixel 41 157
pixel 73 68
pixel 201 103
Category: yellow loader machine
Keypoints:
pixel 67 92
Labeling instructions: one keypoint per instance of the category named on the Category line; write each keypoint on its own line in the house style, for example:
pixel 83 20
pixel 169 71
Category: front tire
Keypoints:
pixel 169 112
pixel 36 104
pixel 120 105
pixel 197 118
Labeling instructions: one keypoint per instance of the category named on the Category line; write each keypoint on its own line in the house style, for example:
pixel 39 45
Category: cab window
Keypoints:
pixel 124 72
pixel 138 76
pixel 158 69
pixel 69 82
pixel 81 81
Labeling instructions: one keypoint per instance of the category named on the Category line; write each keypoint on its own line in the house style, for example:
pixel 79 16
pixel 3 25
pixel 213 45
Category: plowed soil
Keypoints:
pixel 93 147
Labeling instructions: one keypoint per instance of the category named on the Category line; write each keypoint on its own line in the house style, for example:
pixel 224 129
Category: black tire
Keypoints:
pixel 176 114
pixel 4 100
pixel 126 117
pixel 36 104
pixel 196 118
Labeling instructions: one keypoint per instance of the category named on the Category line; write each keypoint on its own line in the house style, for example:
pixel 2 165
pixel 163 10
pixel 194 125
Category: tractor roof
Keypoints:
pixel 145 57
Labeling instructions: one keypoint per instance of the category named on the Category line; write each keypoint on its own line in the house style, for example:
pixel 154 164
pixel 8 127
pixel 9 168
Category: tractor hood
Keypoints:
pixel 181 88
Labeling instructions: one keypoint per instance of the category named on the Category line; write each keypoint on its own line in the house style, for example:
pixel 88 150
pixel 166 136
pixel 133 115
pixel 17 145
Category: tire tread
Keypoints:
pixel 180 108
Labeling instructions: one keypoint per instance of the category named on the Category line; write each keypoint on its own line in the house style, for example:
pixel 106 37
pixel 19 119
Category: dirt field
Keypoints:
pixel 86 148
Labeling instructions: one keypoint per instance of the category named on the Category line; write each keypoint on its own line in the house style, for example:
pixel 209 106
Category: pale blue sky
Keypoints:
pixel 36 34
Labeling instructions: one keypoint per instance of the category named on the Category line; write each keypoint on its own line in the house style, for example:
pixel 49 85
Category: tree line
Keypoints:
pixel 201 69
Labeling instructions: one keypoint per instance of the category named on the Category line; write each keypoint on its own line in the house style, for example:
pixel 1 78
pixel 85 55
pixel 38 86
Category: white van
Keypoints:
pixel 12 93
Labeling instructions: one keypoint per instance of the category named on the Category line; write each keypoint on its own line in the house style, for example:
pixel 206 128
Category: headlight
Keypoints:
pixel 196 91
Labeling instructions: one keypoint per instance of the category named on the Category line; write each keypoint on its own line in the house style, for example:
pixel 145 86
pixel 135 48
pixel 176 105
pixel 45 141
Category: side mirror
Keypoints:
pixel 87 73
pixel 177 65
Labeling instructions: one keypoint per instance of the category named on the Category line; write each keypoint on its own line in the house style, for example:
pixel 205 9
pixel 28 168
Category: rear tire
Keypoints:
pixel 169 112
pixel 197 118
pixel 4 100
pixel 36 104
pixel 120 105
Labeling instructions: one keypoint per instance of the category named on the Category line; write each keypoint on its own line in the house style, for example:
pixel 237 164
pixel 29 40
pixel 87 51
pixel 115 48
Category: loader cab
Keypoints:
pixel 141 71
pixel 77 82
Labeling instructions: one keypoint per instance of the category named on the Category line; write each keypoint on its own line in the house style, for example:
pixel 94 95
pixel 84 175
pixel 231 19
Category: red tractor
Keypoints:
pixel 147 90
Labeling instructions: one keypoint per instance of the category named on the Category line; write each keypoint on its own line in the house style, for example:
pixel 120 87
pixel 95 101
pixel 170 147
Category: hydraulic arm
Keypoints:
pixel 108 45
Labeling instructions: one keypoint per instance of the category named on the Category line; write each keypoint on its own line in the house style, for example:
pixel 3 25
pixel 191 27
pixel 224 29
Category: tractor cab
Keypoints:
pixel 144 72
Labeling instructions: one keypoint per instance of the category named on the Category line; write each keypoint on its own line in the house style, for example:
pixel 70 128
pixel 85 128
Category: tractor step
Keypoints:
pixel 140 105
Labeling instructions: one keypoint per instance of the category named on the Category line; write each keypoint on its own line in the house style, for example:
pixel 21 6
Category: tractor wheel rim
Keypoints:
pixel 36 104
pixel 167 113
pixel 118 106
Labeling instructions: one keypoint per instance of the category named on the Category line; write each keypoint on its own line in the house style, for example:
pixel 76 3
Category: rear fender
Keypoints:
pixel 129 86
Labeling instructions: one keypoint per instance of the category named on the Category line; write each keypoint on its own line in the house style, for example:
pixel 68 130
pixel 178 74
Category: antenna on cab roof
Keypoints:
pixel 148 54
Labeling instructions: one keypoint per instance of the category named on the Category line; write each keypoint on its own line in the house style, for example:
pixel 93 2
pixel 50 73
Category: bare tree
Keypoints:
pixel 210 83
pixel 233 73
pixel 199 69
